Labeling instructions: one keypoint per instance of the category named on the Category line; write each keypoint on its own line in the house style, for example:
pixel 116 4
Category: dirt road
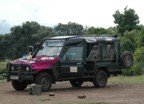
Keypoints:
pixel 65 94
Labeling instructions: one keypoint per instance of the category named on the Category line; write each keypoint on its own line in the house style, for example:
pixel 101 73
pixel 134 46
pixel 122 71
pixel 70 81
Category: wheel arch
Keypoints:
pixel 101 77
pixel 105 69
pixel 50 72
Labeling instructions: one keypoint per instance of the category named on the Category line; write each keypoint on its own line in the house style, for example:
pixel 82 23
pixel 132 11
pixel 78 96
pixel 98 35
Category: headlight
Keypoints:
pixel 27 68
pixel 12 67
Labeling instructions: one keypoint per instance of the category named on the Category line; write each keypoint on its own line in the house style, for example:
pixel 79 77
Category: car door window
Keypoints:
pixel 108 52
pixel 94 54
pixel 73 53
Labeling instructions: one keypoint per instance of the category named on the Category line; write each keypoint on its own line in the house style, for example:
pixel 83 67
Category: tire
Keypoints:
pixel 45 80
pixel 100 79
pixel 127 59
pixel 76 83
pixel 19 86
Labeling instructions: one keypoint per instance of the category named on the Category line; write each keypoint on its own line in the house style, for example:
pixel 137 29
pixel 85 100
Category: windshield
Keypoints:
pixel 51 48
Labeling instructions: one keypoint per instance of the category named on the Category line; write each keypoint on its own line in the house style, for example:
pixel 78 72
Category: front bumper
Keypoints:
pixel 19 73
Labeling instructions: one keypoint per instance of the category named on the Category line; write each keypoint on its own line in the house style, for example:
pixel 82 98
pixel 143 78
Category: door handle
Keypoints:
pixel 79 63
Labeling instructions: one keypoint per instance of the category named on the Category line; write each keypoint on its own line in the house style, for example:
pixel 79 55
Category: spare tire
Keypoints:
pixel 127 59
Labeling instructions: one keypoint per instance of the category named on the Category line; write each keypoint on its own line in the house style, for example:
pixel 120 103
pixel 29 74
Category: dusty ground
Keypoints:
pixel 65 94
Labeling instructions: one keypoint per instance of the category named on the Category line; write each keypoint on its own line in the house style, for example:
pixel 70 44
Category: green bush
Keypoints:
pixel 2 67
pixel 138 67
pixel 127 72
pixel 2 78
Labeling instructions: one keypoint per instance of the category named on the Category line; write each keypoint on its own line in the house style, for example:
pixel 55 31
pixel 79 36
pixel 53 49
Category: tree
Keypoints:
pixel 23 36
pixel 5 46
pixel 96 31
pixel 1 48
pixel 140 40
pixel 126 21
pixel 129 41
pixel 44 32
pixel 99 31
pixel 69 29
pixel 1 37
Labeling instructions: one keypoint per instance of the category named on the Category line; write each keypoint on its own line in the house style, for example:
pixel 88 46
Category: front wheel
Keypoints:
pixel 76 83
pixel 100 79
pixel 45 80
pixel 19 86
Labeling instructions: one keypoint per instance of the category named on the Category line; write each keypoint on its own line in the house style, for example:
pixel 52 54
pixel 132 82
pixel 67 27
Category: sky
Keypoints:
pixel 96 13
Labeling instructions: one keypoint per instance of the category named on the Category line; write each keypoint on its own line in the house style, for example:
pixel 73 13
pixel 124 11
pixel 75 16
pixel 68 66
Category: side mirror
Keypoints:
pixel 37 44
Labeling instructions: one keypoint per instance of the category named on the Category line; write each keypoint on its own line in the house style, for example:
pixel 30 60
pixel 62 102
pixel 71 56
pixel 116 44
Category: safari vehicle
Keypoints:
pixel 70 58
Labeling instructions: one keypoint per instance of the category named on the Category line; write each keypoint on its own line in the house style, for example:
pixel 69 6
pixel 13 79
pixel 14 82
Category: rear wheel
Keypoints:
pixel 45 80
pixel 76 83
pixel 100 79
pixel 127 59
pixel 19 86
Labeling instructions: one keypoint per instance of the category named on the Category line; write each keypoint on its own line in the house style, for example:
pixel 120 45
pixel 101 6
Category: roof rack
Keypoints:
pixel 105 35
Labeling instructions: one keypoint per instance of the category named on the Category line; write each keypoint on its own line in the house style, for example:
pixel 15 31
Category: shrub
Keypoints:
pixel 2 67
pixel 138 67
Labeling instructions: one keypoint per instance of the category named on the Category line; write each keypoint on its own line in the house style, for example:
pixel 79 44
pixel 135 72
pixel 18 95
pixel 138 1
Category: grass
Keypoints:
pixel 2 69
pixel 126 80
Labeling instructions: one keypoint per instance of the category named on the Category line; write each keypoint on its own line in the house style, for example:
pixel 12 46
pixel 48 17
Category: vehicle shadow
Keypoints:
pixel 63 89
pixel 73 88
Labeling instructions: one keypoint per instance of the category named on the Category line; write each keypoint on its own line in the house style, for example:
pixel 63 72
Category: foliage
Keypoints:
pixel 99 31
pixel 126 21
pixel 1 51
pixel 68 29
pixel 140 37
pixel 2 66
pixel 127 72
pixel 4 44
pixel 138 68
pixel 15 44
pixel 129 41
pixel 134 41
pixel 1 78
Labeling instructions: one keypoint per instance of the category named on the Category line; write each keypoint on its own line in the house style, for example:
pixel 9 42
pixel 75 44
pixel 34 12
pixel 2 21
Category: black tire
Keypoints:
pixel 76 83
pixel 127 59
pixel 100 79
pixel 45 80
pixel 19 86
